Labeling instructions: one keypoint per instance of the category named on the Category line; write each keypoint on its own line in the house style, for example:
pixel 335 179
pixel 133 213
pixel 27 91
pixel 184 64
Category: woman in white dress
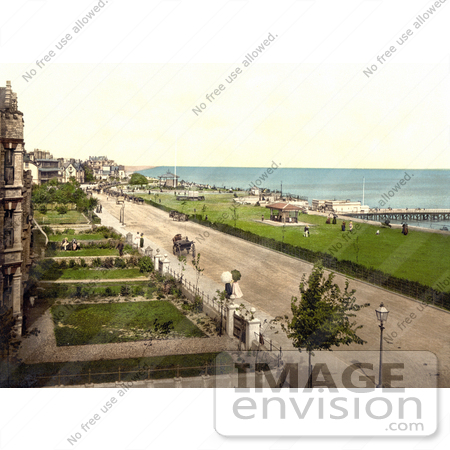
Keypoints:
pixel 237 290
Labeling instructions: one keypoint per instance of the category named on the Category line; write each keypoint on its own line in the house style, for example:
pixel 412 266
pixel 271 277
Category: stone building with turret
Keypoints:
pixel 15 207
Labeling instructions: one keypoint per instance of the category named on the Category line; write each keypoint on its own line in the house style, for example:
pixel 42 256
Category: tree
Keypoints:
pixel 138 180
pixel 322 316
pixel 198 270
pixel 88 175
pixel 235 214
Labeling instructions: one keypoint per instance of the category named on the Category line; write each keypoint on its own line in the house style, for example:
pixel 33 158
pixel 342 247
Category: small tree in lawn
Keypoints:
pixel 322 316
pixel 198 270
pixel 235 214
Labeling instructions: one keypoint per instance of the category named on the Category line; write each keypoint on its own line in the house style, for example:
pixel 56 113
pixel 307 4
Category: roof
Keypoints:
pixel 283 207
pixel 168 175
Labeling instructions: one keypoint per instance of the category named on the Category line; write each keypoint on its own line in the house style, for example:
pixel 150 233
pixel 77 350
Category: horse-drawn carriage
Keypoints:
pixel 180 244
pixel 175 215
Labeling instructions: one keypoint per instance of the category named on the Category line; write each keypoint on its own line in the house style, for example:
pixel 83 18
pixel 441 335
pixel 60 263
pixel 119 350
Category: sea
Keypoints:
pixel 377 188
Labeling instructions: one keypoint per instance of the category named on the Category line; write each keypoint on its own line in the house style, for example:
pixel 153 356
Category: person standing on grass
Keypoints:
pixel 120 246
pixel 343 226
pixel 350 226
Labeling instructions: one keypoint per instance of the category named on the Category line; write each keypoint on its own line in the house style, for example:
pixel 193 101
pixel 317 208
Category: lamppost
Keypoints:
pixel 382 314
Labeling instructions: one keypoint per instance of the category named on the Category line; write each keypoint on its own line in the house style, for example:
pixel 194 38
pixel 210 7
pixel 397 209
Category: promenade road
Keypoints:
pixel 270 279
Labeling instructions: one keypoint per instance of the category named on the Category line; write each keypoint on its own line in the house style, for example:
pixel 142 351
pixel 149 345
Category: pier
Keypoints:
pixel 407 214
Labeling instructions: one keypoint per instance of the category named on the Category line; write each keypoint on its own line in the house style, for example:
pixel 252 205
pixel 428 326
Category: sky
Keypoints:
pixel 299 115
pixel 129 92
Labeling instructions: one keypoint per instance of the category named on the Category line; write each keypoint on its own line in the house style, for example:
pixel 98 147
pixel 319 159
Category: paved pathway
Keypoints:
pixel 269 279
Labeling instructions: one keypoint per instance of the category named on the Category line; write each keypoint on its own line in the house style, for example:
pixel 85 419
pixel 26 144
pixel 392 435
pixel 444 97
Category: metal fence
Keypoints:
pixel 120 375
pixel 212 302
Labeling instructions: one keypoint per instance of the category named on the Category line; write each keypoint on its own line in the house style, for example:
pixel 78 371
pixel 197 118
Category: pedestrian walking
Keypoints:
pixel 343 226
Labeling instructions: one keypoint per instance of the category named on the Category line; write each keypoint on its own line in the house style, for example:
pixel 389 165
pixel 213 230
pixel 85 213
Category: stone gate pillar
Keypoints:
pixel 231 309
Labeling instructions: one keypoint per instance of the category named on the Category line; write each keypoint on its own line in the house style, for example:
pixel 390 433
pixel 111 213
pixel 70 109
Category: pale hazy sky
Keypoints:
pixel 300 115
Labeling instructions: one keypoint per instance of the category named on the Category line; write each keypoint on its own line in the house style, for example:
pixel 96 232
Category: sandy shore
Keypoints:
pixel 137 168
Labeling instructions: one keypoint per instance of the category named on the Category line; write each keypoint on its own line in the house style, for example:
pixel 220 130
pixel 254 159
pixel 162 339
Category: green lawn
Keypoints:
pixel 93 251
pixel 104 274
pixel 78 237
pixel 419 256
pixel 52 218
pixel 133 369
pixel 119 322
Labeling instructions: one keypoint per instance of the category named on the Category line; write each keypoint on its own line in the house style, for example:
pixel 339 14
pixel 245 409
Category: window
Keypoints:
pixel 7 290
pixel 9 167
pixel 8 229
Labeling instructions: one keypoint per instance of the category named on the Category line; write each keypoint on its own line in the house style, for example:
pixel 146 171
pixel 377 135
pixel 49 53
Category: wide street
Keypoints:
pixel 270 279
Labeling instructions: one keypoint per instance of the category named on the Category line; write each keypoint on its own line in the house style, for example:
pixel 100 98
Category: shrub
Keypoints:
pixel 158 277
pixel 197 306
pixel 108 263
pixel 83 263
pixel 138 290
pixel 124 290
pixel 62 209
pixel 96 262
pixel 72 264
pixel 47 230
pixel 42 208
pixel 68 231
pixel 145 264
pixel 120 263
pixel 108 292
pixel 63 264
pixel 132 261
pixel 176 292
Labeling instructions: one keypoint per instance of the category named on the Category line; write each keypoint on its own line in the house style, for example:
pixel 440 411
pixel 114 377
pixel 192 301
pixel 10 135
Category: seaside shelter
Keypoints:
pixel 283 212
pixel 168 179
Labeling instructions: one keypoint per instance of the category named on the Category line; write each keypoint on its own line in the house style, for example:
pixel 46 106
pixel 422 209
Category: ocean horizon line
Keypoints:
pixel 283 167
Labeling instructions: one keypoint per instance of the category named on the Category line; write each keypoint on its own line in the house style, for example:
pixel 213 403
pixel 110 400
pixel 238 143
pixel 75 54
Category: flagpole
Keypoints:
pixel 176 149
pixel 363 190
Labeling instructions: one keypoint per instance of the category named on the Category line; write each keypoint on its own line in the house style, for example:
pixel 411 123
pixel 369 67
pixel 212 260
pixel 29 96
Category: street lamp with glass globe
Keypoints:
pixel 382 314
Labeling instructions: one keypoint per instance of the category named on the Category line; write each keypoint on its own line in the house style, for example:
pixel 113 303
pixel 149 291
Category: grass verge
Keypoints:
pixel 120 322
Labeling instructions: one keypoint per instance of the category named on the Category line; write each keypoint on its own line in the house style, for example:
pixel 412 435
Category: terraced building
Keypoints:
pixel 15 208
